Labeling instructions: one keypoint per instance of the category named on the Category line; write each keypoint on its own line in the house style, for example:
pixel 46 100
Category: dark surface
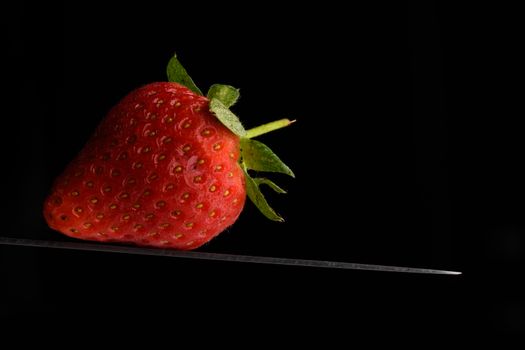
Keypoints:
pixel 403 151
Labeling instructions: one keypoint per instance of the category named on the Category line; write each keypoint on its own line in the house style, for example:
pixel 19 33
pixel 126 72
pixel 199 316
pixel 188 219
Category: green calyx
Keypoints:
pixel 255 156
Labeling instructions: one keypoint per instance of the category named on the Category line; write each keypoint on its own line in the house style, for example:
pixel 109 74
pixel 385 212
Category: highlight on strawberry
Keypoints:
pixel 167 167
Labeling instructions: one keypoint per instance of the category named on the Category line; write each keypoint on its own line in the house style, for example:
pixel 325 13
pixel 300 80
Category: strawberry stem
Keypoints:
pixel 266 128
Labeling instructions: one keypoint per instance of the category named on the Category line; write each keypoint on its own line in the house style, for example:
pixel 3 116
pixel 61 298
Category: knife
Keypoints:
pixel 110 248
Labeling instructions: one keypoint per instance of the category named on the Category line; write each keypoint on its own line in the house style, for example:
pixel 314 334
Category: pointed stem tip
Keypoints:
pixel 266 128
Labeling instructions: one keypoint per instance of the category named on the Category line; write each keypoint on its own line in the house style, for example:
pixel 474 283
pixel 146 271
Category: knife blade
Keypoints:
pixel 113 248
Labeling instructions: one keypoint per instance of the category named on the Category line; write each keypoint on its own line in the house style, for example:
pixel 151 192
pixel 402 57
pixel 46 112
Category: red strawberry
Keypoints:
pixel 162 170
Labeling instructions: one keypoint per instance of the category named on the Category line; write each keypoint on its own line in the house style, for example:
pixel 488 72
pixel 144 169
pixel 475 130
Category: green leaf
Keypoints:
pixel 227 94
pixel 264 181
pixel 256 196
pixel 257 156
pixel 226 117
pixel 177 74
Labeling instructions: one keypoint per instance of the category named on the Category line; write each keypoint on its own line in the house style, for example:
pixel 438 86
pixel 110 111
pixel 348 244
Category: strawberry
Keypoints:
pixel 167 167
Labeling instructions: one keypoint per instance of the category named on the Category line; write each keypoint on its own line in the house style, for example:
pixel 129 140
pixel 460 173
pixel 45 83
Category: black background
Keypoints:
pixel 407 151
